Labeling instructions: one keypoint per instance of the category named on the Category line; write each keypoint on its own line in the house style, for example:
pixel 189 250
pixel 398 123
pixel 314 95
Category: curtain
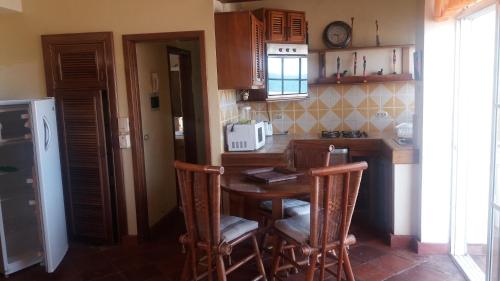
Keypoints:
pixel 445 9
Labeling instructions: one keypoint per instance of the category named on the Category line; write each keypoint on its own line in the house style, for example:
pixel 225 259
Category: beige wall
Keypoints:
pixel 397 18
pixel 158 127
pixel 21 65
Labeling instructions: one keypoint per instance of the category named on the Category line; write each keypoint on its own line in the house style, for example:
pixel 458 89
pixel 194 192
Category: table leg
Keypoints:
pixel 277 211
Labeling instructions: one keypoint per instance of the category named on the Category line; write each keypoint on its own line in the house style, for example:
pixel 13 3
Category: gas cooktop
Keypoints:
pixel 356 134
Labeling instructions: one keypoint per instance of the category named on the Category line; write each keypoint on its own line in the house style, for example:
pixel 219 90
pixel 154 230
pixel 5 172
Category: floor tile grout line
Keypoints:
pixel 405 270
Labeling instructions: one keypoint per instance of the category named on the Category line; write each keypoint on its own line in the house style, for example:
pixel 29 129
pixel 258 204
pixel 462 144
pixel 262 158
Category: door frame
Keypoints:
pixel 105 38
pixel 134 107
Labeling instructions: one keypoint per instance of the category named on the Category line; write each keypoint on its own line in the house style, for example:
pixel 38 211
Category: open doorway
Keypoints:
pixel 186 109
pixel 168 115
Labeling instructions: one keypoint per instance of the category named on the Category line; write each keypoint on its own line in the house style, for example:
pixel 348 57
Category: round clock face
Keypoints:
pixel 337 34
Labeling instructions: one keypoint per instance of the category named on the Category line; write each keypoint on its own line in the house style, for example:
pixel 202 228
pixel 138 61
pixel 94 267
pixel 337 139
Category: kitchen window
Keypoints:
pixel 287 76
pixel 286 70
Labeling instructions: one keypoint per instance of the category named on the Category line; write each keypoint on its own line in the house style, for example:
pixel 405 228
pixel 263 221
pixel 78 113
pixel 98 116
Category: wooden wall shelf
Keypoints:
pixel 331 50
pixel 364 79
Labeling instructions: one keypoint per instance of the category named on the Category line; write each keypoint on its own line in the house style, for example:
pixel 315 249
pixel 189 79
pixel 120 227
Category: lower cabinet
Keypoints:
pixel 381 217
pixel 387 202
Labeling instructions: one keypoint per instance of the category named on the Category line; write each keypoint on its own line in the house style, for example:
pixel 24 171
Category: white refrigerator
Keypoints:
pixel 32 218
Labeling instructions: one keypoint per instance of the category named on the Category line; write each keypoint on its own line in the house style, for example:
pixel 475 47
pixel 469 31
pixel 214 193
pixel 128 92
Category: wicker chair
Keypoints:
pixel 322 236
pixel 306 155
pixel 211 236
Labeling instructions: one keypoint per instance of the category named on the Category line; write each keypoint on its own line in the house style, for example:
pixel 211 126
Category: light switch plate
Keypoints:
pixel 124 141
pixel 123 125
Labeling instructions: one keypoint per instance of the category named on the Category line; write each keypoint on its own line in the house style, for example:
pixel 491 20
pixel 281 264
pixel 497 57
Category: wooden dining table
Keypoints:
pixel 238 184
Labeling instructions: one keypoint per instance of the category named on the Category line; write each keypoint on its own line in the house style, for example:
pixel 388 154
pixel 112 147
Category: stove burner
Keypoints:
pixel 343 134
pixel 330 134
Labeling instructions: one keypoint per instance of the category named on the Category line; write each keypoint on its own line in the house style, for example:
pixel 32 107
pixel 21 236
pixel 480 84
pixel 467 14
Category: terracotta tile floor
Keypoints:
pixel 161 259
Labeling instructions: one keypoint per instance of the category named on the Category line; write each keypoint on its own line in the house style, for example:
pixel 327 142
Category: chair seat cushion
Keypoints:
pixel 292 207
pixel 234 227
pixel 298 228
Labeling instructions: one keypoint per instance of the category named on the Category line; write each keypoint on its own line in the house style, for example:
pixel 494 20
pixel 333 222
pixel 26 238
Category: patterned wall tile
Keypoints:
pixel 306 122
pixel 381 124
pixel 403 114
pixel 282 105
pixel 330 120
pixel 355 119
pixel 332 107
pixel 309 104
pixel 354 95
pixel 330 97
pixel 283 124
pixel 382 95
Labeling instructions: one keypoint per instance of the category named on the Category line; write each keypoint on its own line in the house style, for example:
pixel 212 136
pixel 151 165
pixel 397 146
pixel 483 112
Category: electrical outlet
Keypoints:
pixel 381 114
pixel 278 116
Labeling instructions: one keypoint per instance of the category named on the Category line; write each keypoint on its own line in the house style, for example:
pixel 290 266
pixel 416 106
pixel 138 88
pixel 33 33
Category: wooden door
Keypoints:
pixel 296 27
pixel 84 150
pixel 80 75
pixel 76 66
pixel 258 72
pixel 276 23
pixel 188 109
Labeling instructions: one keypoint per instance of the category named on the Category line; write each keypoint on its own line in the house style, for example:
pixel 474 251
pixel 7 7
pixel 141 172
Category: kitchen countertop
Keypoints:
pixel 386 145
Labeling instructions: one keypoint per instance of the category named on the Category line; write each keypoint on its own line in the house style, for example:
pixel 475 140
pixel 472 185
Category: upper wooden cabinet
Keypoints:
pixel 283 25
pixel 240 50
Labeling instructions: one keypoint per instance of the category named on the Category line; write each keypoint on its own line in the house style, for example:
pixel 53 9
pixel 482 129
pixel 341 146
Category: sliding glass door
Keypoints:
pixel 493 269
pixel 473 216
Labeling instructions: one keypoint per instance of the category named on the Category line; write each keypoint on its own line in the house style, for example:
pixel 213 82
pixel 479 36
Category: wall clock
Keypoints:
pixel 337 34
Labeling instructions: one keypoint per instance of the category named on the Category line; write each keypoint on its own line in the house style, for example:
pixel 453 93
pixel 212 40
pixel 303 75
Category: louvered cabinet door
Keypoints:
pixel 258 73
pixel 78 65
pixel 296 27
pixel 83 148
pixel 276 23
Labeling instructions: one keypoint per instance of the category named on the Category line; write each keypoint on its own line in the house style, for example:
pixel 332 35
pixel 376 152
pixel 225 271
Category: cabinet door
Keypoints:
pixel 258 73
pixel 84 151
pixel 296 27
pixel 276 22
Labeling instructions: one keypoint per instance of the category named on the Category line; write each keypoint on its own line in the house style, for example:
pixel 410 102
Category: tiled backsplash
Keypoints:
pixel 333 107
pixel 228 110
pixel 228 106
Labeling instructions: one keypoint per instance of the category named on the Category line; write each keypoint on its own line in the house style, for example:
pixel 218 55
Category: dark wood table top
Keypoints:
pixel 239 184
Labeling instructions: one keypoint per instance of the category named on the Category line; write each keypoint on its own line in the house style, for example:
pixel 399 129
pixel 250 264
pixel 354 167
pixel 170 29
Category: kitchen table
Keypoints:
pixel 239 184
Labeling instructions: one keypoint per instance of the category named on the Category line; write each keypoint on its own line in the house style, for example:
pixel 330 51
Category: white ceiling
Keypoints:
pixel 11 6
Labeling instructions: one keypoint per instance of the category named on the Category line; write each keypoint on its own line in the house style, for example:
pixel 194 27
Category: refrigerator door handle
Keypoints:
pixel 47 133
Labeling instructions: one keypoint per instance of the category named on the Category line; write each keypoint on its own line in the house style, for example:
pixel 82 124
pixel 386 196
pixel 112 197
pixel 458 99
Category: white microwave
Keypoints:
pixel 245 137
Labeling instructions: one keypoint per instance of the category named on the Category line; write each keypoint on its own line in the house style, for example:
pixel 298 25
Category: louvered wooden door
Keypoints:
pixel 296 27
pixel 78 65
pixel 276 26
pixel 258 73
pixel 82 126
pixel 78 69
